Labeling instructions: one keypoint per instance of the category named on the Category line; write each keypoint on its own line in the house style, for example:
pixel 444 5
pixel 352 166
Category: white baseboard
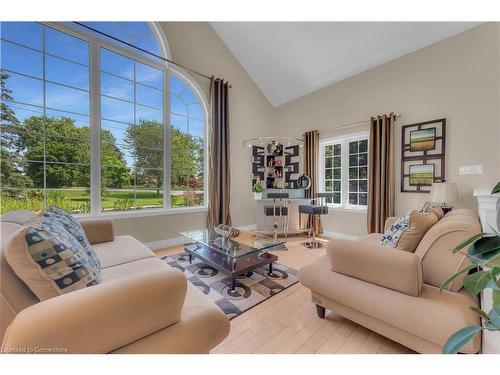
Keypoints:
pixel 181 240
pixel 341 236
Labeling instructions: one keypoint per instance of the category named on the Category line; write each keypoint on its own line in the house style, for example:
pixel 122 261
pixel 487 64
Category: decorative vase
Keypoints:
pixel 257 196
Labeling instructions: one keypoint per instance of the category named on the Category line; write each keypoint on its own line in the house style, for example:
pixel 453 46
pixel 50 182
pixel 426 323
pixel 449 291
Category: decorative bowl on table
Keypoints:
pixel 226 231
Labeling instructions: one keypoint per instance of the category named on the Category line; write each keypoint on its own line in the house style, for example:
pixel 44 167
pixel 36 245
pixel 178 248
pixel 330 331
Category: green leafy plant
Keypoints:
pixel 257 188
pixel 484 255
pixel 496 189
pixel 123 204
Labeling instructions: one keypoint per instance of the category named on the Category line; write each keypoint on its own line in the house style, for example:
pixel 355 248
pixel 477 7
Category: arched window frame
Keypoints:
pixel 95 44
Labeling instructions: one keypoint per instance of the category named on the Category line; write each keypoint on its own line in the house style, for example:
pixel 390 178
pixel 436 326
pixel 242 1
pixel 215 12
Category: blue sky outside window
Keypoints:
pixel 49 74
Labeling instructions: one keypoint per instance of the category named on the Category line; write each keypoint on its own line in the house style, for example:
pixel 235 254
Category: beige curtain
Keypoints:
pixel 381 177
pixel 311 155
pixel 219 167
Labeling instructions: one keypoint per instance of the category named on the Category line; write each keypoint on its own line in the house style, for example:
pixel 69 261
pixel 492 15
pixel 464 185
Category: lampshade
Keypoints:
pixel 444 192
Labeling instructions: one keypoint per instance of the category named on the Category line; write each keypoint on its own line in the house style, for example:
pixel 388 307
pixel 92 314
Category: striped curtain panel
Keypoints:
pixel 381 174
pixel 219 167
pixel 311 155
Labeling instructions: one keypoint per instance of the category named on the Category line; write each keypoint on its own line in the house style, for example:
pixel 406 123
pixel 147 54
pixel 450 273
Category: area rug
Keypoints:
pixel 250 290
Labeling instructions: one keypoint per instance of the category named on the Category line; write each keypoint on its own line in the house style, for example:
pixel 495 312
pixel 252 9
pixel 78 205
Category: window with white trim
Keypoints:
pixel 94 126
pixel 343 170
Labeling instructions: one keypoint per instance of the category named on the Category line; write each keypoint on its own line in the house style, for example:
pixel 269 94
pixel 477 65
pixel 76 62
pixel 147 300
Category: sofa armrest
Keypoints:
pixel 389 221
pixel 384 266
pixel 98 230
pixel 101 318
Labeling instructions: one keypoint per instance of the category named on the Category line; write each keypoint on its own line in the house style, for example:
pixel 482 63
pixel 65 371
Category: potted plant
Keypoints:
pixel 484 255
pixel 257 189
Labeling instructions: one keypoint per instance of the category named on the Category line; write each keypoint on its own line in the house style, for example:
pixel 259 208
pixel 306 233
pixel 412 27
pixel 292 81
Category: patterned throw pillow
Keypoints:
pixel 395 231
pixel 75 229
pixel 407 232
pixel 49 259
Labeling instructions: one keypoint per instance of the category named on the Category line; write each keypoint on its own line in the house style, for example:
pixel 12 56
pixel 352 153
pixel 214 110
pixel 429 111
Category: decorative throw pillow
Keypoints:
pixel 49 259
pixel 436 210
pixel 394 232
pixel 75 229
pixel 406 233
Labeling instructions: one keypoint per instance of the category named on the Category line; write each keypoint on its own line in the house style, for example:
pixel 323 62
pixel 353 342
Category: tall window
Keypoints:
pixel 344 170
pixel 85 125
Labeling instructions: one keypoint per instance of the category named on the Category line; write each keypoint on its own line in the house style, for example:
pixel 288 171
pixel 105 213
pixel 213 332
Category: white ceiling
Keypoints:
pixel 290 59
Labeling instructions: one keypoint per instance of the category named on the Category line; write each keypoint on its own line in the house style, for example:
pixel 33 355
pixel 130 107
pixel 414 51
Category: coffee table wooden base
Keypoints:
pixel 231 266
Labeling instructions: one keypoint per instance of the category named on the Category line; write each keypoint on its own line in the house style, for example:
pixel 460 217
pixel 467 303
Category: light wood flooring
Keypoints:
pixel 287 323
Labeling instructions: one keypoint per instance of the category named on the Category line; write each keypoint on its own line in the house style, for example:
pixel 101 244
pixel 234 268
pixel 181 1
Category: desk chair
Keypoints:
pixel 313 210
pixel 279 208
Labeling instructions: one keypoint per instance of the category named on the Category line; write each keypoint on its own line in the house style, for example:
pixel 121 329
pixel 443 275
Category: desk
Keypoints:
pixel 265 223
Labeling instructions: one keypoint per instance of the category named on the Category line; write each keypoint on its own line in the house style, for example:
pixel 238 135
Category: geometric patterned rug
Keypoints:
pixel 250 290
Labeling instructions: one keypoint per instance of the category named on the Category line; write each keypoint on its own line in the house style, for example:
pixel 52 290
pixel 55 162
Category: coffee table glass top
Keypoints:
pixel 246 243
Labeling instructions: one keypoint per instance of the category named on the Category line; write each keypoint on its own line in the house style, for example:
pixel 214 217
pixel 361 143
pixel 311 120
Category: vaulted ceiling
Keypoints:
pixel 288 60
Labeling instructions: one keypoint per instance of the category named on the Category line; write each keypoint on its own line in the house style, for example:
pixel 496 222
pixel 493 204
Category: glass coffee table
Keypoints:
pixel 233 256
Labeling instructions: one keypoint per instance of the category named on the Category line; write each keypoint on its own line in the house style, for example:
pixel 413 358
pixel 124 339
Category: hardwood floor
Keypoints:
pixel 287 323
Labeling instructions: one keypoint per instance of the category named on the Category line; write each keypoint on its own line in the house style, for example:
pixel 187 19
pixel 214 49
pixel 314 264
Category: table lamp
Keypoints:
pixel 444 193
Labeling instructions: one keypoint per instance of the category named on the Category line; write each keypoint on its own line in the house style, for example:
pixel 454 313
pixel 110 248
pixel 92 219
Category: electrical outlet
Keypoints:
pixel 471 169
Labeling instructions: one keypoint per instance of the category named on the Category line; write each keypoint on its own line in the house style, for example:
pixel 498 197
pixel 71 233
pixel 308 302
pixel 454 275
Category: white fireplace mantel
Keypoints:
pixel 487 207
pixel 487 210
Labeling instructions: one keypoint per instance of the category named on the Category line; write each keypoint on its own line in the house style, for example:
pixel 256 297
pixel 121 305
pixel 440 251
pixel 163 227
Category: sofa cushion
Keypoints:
pixel 201 327
pixel 132 268
pixel 372 238
pixel 436 210
pixel 48 259
pixel 123 249
pixel 75 229
pixel 406 233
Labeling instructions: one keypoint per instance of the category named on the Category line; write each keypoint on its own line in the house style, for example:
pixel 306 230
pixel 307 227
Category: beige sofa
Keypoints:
pixel 142 305
pixel 396 293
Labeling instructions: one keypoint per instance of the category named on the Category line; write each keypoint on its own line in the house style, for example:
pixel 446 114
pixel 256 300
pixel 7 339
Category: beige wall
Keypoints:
pixel 197 45
pixel 457 78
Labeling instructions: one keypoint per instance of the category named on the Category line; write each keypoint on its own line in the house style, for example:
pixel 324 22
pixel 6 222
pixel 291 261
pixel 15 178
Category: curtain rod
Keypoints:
pixel 145 51
pixel 350 124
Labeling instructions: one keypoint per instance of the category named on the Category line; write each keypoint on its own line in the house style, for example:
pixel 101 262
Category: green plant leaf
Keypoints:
pixel 490 327
pixel 496 301
pixel 484 245
pixel 494 318
pixel 495 275
pixel 459 339
pixel 492 285
pixel 467 241
pixel 494 262
pixel 480 312
pixel 450 279
pixel 476 282
pixel 496 189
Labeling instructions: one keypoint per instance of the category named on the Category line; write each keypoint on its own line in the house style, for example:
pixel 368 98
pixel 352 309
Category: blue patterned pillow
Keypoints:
pixel 49 259
pixel 395 231
pixel 75 229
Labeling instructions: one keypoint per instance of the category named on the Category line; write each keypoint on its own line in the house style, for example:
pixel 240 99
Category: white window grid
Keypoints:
pixel 95 44
pixel 343 141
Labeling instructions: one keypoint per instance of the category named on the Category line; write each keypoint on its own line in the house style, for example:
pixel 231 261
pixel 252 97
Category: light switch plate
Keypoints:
pixel 471 169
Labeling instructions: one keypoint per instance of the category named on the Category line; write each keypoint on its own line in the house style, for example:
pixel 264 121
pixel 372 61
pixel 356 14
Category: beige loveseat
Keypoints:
pixel 396 293
pixel 142 305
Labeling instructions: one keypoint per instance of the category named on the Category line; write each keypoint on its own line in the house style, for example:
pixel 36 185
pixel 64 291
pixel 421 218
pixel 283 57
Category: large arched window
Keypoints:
pixel 93 125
